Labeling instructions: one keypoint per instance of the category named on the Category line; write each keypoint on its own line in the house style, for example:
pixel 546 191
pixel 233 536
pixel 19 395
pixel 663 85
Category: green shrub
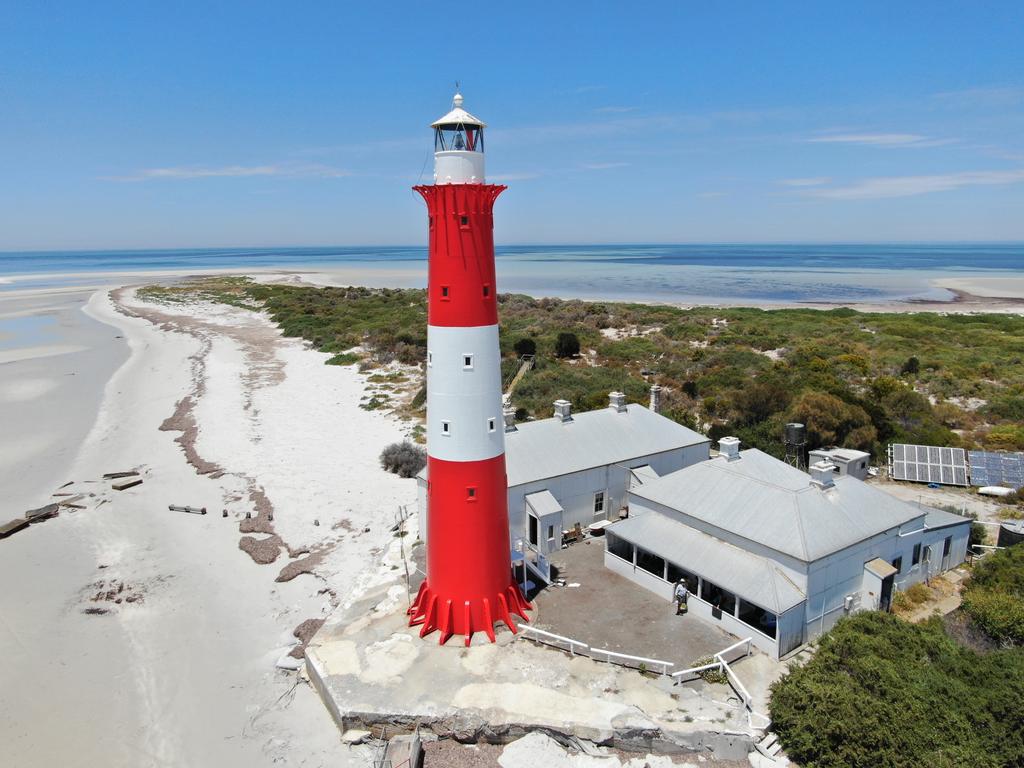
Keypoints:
pixel 885 693
pixel 343 358
pixel 567 345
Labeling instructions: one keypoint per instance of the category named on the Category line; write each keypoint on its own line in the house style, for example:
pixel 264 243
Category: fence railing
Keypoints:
pixel 624 659
pixel 550 638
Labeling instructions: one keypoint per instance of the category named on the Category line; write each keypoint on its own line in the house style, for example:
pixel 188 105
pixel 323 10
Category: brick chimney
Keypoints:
pixel 563 410
pixel 656 398
pixel 729 447
pixel 617 401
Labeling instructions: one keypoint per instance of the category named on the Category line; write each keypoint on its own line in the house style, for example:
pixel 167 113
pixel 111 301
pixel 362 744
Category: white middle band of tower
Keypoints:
pixel 458 167
pixel 464 420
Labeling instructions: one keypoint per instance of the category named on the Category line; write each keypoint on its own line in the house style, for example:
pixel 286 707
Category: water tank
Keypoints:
pixel 1011 533
pixel 796 433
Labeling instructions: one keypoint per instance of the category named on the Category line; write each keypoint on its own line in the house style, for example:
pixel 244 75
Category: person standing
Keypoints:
pixel 680 595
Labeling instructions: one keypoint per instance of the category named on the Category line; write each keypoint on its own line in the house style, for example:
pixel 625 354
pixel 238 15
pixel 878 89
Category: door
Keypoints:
pixel 534 530
pixel 947 546
pixel 885 600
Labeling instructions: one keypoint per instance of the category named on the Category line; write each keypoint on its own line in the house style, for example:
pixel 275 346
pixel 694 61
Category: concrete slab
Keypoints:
pixel 607 611
pixel 372 670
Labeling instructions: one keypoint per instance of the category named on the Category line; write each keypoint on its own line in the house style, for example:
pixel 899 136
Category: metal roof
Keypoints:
pixel 537 450
pixel 645 473
pixel 756 579
pixel 880 568
pixel 940 518
pixel 543 503
pixel 458 116
pixel 762 499
pixel 843 454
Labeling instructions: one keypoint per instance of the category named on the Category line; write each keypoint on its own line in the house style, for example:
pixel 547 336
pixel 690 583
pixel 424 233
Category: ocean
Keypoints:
pixel 770 273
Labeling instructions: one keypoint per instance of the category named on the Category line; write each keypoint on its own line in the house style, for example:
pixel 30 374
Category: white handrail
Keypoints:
pixel 664 664
pixel 695 670
pixel 736 645
pixel 552 636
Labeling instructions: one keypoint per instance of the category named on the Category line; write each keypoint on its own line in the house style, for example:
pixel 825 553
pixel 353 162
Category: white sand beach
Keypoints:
pixel 175 662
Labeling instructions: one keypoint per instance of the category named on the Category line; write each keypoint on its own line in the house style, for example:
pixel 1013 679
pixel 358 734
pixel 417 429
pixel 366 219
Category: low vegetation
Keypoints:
pixel 994 597
pixel 858 380
pixel 882 692
pixel 404 459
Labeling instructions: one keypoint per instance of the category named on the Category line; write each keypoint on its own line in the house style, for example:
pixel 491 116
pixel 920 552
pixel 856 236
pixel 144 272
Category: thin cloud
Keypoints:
pixel 814 181
pixel 981 97
pixel 913 140
pixel 614 110
pixel 232 171
pixel 602 166
pixel 911 186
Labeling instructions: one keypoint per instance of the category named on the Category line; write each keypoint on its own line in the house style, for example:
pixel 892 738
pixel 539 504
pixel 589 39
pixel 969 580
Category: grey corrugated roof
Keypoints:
pixel 549 448
pixel 940 518
pixel 768 501
pixel 846 454
pixel 645 473
pixel 755 579
pixel 543 503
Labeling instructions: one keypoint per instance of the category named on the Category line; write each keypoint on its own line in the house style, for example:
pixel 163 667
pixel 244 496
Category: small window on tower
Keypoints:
pixel 491 425
pixel 487 290
pixel 470 493
pixel 430 357
pixel 431 222
pixel 446 293
pixel 446 428
pixel 467 362
pixel 464 222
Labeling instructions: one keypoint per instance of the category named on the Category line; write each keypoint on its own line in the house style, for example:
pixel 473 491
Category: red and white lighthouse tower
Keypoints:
pixel 469 584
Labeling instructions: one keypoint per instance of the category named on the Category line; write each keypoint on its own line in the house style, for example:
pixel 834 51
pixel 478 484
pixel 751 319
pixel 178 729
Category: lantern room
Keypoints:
pixel 458 147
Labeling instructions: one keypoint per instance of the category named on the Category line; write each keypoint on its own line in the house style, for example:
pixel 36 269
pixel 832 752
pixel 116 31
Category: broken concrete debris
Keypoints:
pixel 119 475
pixel 123 485
pixel 42 513
pixel 12 527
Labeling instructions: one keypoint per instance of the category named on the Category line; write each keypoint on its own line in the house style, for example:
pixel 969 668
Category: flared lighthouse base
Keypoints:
pixel 432 611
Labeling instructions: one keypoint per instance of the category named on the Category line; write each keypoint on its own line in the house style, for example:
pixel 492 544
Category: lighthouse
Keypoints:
pixel 469 585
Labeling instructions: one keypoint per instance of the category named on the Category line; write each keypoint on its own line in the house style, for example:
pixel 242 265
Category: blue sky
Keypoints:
pixel 141 125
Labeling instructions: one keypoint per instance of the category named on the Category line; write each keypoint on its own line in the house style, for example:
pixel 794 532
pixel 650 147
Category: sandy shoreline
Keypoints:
pixel 184 673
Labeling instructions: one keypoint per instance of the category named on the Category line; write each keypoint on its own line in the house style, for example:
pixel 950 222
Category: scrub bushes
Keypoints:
pixel 994 597
pixel 884 693
pixel 404 459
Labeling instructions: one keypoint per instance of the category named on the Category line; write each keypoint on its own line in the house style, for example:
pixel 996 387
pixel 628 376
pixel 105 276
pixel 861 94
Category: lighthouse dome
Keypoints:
pixel 458 116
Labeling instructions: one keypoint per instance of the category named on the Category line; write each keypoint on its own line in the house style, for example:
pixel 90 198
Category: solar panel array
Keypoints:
pixel 991 468
pixel 929 464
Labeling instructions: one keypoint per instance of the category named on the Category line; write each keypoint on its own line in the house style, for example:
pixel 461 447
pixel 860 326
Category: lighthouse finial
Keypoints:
pixel 457 98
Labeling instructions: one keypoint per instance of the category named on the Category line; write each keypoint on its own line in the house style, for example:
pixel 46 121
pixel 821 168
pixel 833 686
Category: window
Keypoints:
pixel 551 533
pixel 674 573
pixel 446 293
pixel 471 493
pixel 898 564
pixel 467 362
pixel 491 425
pixel 431 222
pixel 464 222
pixel 534 535
pixel 430 357
pixel 650 562
pixel 947 545
pixel 758 618
pixel 620 548
pixel 446 428
pixel 598 503
pixel 487 290
pixel 917 554
pixel 719 598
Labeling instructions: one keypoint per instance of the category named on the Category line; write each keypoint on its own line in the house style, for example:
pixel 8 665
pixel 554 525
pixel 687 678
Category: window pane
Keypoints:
pixel 620 547
pixel 758 618
pixel 650 562
pixel 718 597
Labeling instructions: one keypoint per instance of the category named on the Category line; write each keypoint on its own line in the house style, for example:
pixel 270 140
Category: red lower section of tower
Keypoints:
pixel 469 584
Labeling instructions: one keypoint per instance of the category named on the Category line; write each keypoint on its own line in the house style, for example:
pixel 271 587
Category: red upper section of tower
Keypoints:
pixel 460 284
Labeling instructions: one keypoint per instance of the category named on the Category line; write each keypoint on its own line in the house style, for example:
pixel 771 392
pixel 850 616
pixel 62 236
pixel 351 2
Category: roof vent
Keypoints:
pixel 617 401
pixel 656 398
pixel 563 410
pixel 509 414
pixel 729 447
pixel 823 474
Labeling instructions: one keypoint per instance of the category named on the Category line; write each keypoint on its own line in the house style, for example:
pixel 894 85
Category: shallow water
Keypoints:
pixel 769 273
